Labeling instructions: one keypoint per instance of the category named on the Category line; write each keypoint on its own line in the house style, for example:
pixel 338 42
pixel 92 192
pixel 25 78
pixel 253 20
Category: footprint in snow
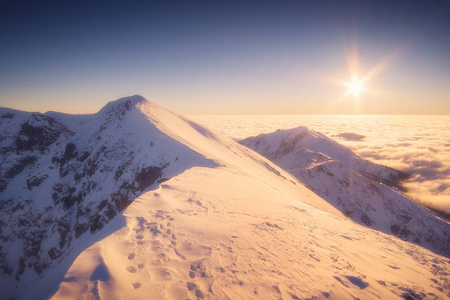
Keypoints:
pixel 199 294
pixel 136 285
pixel 191 286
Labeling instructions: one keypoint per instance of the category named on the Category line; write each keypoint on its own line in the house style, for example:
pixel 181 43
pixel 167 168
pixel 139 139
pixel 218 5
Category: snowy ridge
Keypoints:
pixel 353 185
pixel 57 185
pixel 141 203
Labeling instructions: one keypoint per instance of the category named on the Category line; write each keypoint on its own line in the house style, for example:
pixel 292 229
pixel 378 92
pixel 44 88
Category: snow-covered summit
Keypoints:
pixel 65 177
pixel 287 144
pixel 124 103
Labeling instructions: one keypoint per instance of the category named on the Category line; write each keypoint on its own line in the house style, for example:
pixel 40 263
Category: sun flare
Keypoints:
pixel 355 87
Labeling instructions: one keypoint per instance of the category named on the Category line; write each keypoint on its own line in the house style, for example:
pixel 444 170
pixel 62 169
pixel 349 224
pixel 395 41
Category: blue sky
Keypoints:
pixel 233 57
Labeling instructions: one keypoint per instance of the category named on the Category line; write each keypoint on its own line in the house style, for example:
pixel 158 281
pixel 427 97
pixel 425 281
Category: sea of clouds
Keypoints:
pixel 417 145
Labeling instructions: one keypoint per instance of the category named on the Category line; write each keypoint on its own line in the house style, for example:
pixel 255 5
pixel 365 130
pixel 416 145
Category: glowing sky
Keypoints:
pixel 227 56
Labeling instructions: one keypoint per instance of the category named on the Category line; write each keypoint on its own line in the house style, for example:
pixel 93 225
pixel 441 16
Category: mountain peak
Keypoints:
pixel 128 101
pixel 135 99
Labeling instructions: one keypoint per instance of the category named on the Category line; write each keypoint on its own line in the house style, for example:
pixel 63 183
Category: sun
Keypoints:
pixel 355 87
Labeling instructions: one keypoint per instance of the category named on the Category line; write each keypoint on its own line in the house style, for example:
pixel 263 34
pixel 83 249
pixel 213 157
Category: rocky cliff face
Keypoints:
pixel 64 177
pixel 367 193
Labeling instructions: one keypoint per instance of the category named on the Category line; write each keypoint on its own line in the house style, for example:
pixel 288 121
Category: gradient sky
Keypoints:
pixel 233 57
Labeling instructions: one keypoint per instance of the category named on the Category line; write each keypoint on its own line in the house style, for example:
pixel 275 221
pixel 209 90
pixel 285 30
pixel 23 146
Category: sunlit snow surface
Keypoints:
pixel 226 224
pixel 243 228
pixel 418 145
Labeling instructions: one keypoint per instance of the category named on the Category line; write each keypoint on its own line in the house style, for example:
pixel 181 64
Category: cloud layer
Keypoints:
pixel 429 166
pixel 417 145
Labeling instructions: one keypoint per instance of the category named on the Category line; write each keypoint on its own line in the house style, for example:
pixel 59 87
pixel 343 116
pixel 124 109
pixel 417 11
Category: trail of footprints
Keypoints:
pixel 159 231
pixel 196 270
pixel 155 230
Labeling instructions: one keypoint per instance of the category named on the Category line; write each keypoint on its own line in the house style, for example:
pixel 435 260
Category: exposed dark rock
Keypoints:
pixel 102 204
pixel 401 232
pixel 395 229
pixel 66 195
pixel 80 229
pixel 21 268
pixel 84 156
pixel 54 253
pixel 33 248
pixel 71 198
pixel 17 207
pixel 90 167
pixel 63 230
pixel 56 160
pixel 7 270
pixel 147 176
pixel 35 181
pixel 17 169
pixel 404 216
pixel 120 201
pixel 70 152
pixel 404 234
pixel 120 170
pixel 57 190
pixel 96 224
pixel 288 146
pixel 366 220
pixel 40 267
pixel 7 116
pixel 35 137
pixel 3 185
pixel 110 212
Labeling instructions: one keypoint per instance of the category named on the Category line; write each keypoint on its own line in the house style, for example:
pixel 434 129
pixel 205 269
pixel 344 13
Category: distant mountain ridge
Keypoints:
pixel 359 188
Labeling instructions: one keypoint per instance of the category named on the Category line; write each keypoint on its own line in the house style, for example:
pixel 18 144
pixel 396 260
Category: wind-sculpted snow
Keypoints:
pixel 241 232
pixel 136 202
pixel 353 185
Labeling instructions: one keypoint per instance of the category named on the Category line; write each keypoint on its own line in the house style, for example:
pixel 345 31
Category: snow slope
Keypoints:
pixel 353 185
pixel 226 224
pixel 222 234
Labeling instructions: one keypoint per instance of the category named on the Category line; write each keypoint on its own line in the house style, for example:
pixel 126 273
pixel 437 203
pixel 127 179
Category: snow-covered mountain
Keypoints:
pixel 365 192
pixel 65 176
pixel 135 202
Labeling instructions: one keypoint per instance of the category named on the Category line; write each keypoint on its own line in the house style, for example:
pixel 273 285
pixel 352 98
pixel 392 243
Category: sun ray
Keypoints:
pixel 356 87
